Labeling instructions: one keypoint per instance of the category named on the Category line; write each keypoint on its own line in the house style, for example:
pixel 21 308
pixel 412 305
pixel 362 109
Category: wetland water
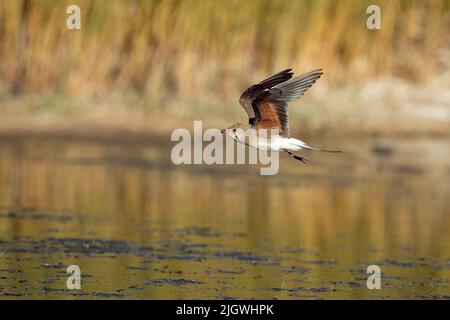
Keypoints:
pixel 140 227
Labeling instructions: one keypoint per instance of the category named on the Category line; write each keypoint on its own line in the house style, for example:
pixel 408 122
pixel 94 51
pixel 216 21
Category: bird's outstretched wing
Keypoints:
pixel 271 105
pixel 249 95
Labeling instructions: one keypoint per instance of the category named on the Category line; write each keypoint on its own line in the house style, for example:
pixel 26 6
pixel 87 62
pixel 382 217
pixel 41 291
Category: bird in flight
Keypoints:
pixel 266 104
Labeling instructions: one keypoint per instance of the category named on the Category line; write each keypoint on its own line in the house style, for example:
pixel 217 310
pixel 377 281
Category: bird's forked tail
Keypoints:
pixel 323 150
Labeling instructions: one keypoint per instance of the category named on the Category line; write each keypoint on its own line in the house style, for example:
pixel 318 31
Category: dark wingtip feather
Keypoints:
pixel 276 78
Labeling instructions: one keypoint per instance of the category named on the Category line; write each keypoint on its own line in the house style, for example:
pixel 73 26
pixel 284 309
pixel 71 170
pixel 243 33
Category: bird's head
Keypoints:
pixel 233 131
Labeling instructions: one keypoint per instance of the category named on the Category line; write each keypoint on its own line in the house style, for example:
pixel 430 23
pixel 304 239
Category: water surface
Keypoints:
pixel 140 227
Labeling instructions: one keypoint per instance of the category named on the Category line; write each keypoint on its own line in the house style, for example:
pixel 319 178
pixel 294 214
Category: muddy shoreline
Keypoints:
pixel 145 133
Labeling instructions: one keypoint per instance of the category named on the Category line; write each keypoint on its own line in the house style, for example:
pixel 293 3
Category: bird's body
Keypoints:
pixel 274 143
pixel 266 104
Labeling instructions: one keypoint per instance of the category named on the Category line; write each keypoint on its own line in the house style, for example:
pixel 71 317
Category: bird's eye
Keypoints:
pixel 234 129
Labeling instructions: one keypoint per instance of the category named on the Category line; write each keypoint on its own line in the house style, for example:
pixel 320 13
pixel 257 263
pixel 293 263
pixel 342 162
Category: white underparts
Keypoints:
pixel 276 143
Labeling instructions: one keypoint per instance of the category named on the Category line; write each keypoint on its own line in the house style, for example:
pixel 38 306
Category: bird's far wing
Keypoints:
pixel 294 88
pixel 255 90
pixel 271 106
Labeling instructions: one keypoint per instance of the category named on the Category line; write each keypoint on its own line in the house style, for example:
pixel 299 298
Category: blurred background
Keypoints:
pixel 86 176
pixel 136 60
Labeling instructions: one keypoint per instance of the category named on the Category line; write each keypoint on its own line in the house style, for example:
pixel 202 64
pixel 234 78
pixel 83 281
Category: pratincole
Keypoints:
pixel 266 104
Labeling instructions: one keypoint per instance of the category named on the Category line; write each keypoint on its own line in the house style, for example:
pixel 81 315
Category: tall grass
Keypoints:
pixel 195 50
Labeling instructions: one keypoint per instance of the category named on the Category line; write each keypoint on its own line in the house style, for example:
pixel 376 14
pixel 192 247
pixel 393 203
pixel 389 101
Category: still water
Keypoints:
pixel 140 227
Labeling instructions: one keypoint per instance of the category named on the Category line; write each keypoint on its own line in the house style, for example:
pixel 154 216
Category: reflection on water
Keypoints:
pixel 140 227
